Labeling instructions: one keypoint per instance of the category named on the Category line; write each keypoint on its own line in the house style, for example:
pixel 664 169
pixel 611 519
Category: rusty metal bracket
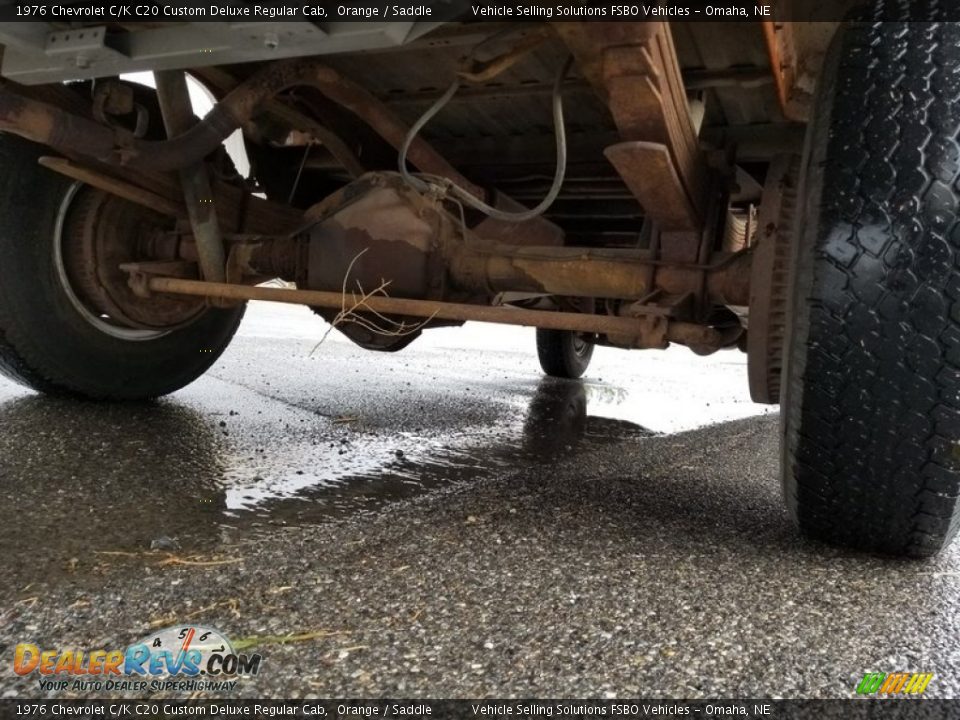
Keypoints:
pixel 661 304
pixel 112 98
pixel 140 273
pixel 239 261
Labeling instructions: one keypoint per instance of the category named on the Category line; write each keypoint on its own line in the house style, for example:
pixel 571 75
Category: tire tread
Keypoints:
pixel 871 455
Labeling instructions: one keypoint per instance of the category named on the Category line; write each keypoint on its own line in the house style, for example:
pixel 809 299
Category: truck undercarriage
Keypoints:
pixel 631 184
pixel 646 238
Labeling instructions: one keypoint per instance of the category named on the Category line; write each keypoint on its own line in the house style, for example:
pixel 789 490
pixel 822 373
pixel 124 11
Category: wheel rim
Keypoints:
pixel 93 316
pixel 580 346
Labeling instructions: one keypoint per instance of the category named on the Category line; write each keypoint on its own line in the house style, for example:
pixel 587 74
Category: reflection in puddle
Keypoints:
pixel 361 474
pixel 558 419
pixel 79 479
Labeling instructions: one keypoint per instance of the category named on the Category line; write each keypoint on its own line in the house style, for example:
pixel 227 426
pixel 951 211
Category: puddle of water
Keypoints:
pixel 79 479
pixel 81 484
pixel 361 474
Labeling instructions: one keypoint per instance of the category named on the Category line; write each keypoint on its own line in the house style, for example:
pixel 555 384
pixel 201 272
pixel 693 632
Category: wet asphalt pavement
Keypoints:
pixel 445 523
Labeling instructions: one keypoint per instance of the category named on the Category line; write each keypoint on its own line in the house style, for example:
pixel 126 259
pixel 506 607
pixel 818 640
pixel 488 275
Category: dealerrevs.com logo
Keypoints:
pixel 180 659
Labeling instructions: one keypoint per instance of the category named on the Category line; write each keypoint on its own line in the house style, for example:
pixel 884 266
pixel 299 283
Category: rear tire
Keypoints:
pixel 51 343
pixel 871 404
pixel 563 354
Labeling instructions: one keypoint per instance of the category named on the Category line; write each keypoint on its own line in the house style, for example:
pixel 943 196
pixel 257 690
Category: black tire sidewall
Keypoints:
pixel 47 344
pixel 869 402
pixel 558 356
pixel 810 193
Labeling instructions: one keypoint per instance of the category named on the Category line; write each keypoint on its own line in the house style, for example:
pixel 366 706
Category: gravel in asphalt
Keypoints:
pixel 482 533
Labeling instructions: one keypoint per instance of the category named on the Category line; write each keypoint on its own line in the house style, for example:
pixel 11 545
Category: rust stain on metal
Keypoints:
pixel 126 190
pixel 634 67
pixel 651 175
pixel 102 233
pixel 382 233
pixel 194 180
pixel 74 135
